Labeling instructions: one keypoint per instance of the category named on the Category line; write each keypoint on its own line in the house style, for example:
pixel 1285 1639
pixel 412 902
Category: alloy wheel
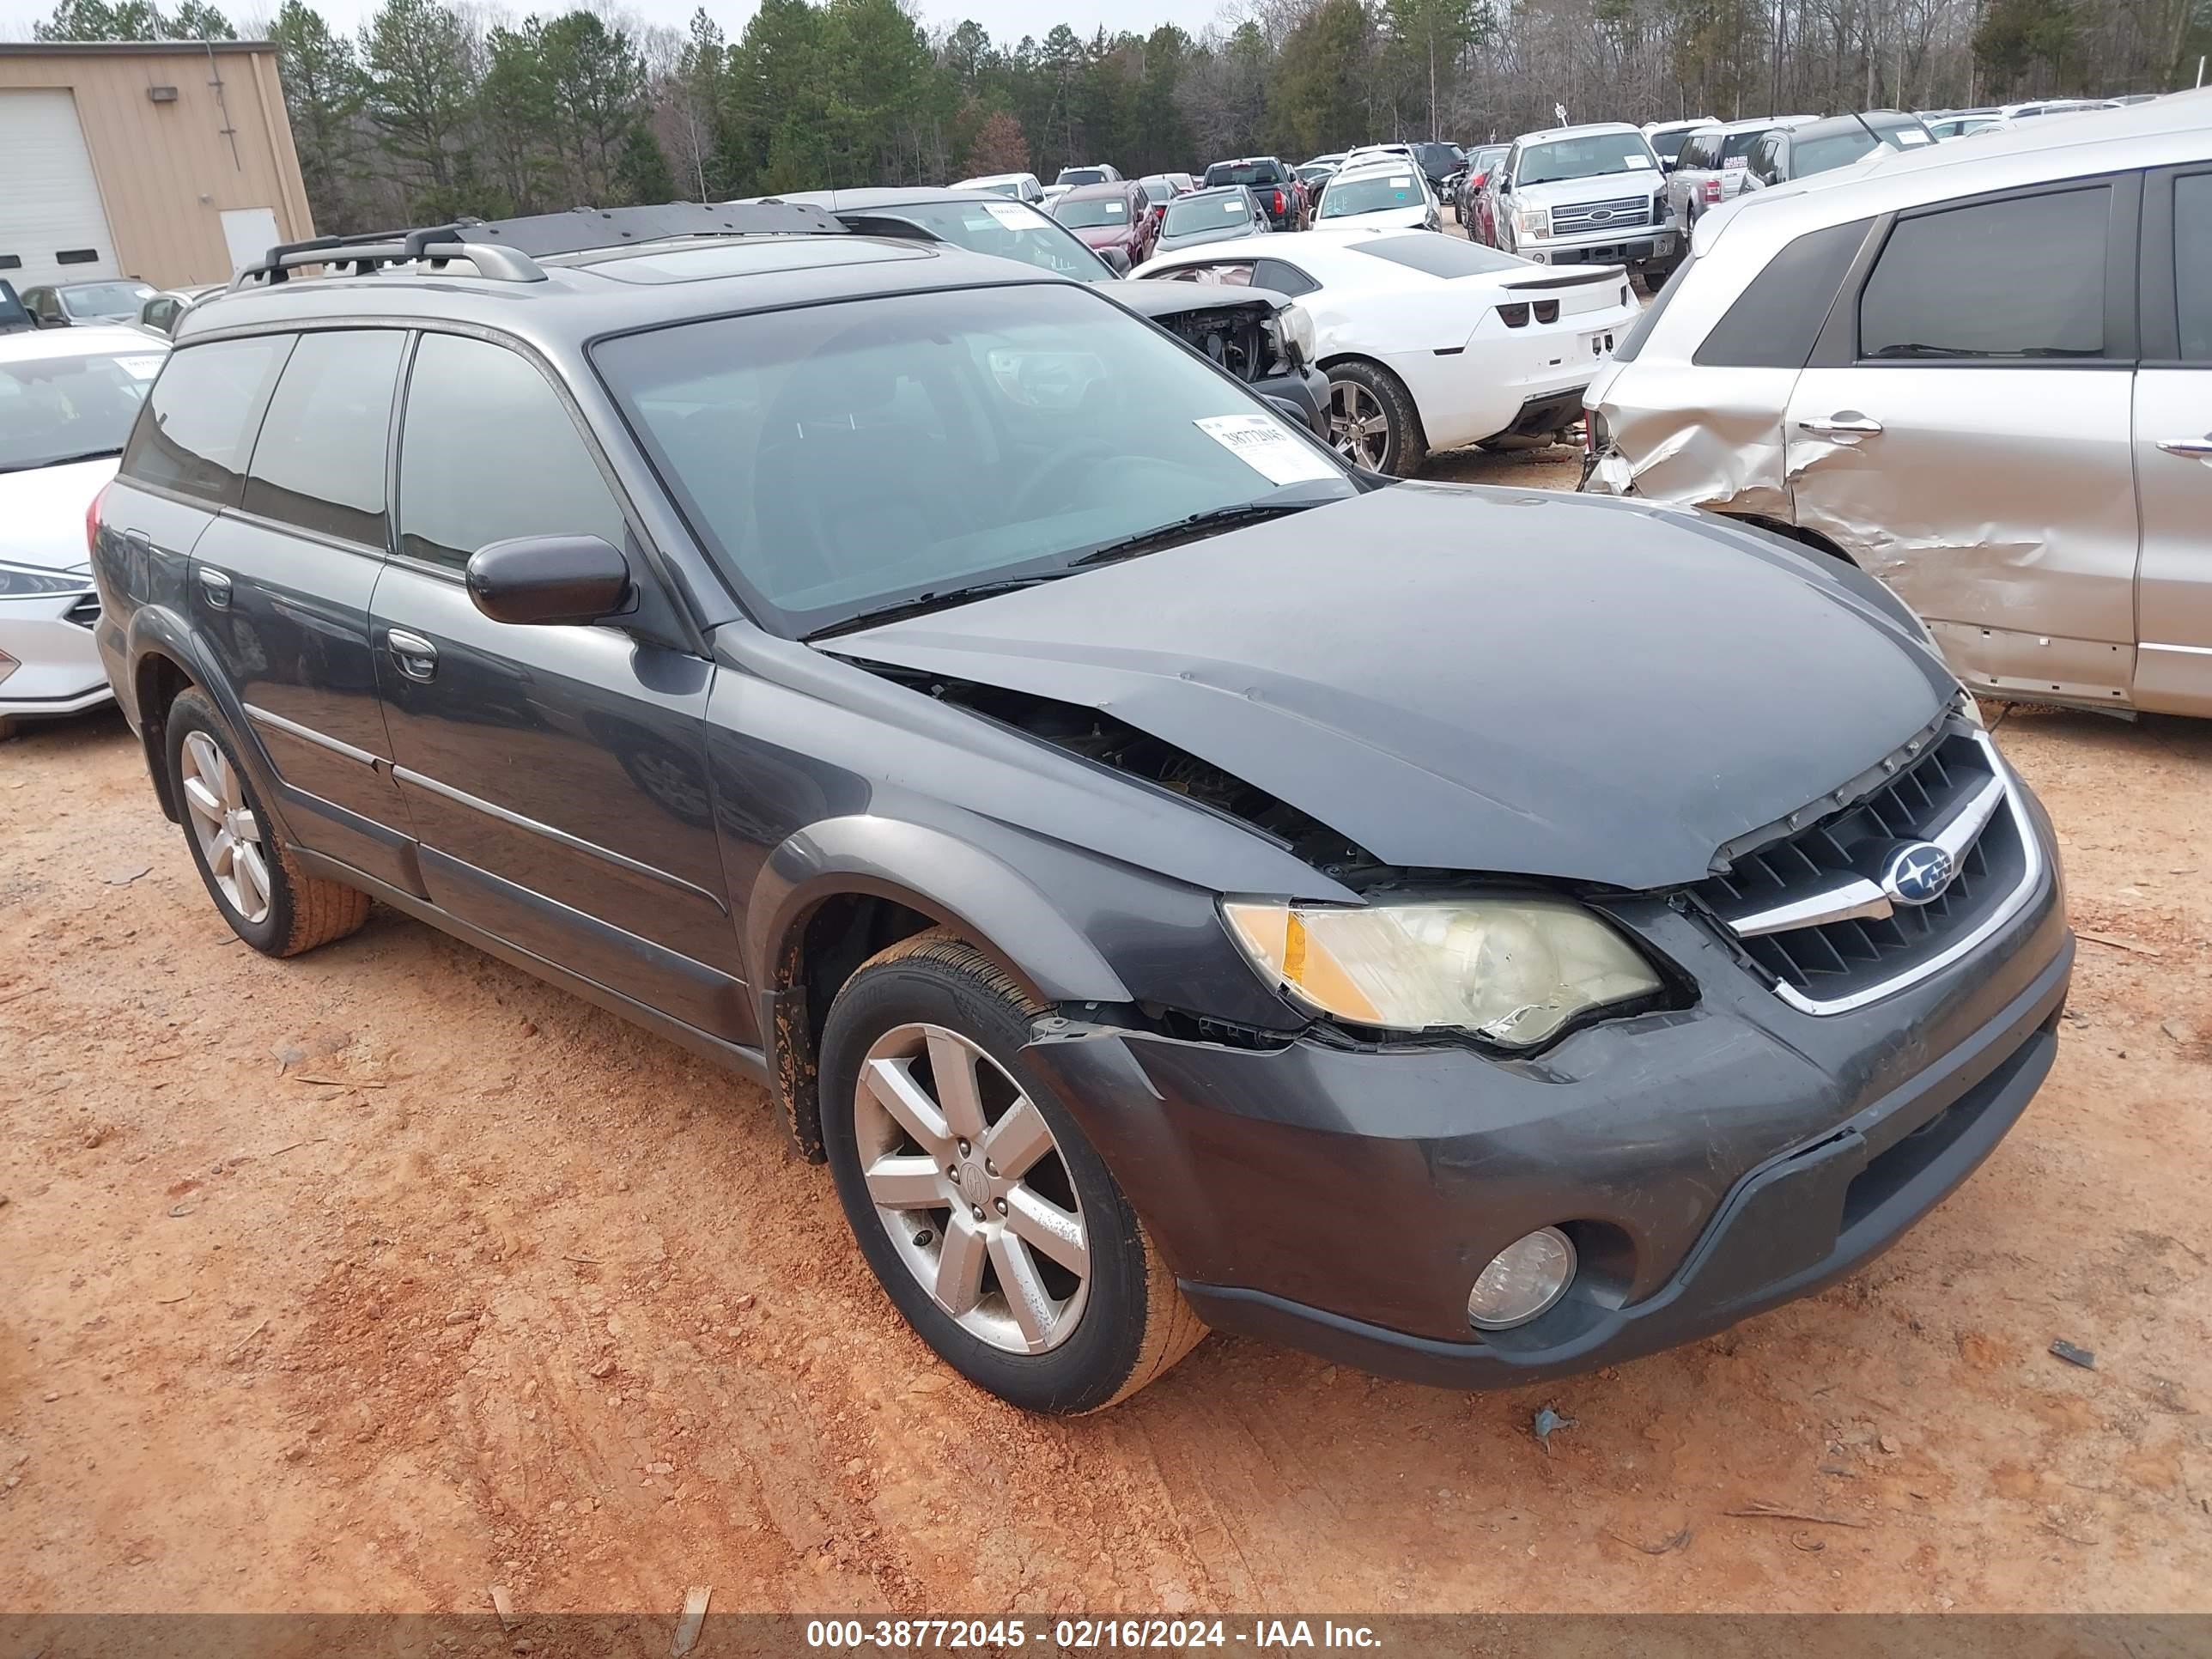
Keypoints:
pixel 967 1180
pixel 228 833
pixel 1357 425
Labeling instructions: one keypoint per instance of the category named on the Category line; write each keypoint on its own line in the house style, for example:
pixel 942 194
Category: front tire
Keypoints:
pixel 251 874
pixel 1372 421
pixel 990 1222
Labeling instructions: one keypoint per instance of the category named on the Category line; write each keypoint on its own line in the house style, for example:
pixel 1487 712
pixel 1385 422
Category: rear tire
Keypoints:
pixel 1361 394
pixel 250 874
pixel 934 1004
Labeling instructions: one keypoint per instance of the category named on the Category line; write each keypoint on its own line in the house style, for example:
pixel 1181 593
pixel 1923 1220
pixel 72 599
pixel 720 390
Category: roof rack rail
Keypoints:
pixel 508 250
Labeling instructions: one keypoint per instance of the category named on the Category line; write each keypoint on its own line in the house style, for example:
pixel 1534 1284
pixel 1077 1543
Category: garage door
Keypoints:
pixel 53 229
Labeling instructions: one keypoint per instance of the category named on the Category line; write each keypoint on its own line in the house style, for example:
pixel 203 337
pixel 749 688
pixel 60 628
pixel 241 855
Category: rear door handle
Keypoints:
pixel 1846 422
pixel 215 588
pixel 417 657
pixel 2193 449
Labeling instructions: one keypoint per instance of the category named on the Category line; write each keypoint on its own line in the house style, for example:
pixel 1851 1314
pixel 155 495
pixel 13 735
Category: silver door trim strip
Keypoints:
pixel 308 734
pixel 2184 650
pixel 561 837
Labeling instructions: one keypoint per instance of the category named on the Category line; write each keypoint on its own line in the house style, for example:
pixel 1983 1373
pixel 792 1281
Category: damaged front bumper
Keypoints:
pixel 1708 1162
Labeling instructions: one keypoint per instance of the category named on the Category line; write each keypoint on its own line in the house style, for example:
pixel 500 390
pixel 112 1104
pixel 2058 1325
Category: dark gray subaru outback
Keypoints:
pixel 1174 880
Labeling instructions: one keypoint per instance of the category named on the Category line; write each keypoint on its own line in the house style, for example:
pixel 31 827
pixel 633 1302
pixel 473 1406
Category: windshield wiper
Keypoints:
pixel 1197 525
pixel 65 460
pixel 921 603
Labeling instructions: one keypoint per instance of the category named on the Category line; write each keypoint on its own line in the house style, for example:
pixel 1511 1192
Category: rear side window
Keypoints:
pixel 319 462
pixel 1284 278
pixel 1691 155
pixel 2017 278
pixel 199 420
pixel 2192 264
pixel 487 452
pixel 1775 321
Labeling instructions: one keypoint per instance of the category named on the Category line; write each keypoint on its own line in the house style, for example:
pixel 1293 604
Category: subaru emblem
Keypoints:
pixel 1918 873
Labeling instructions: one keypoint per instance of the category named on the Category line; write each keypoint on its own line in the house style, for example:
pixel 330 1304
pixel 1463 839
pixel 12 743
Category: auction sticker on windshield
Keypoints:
pixel 139 368
pixel 1012 216
pixel 1267 447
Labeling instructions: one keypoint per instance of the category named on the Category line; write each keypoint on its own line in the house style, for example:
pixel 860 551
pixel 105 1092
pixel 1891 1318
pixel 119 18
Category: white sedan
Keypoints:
pixel 67 396
pixel 1387 194
pixel 1429 342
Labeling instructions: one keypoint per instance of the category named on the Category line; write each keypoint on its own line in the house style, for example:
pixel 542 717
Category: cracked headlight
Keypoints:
pixel 1513 970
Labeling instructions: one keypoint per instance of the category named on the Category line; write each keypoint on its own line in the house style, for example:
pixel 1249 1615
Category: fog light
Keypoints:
pixel 1522 1280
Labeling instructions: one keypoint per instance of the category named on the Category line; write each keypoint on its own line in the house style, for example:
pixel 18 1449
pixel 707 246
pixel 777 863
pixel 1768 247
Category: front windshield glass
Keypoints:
pixel 61 409
pixel 1092 212
pixel 1811 155
pixel 1374 193
pixel 839 459
pixel 1192 213
pixel 1491 154
pixel 1157 191
pixel 107 299
pixel 1587 157
pixel 1009 230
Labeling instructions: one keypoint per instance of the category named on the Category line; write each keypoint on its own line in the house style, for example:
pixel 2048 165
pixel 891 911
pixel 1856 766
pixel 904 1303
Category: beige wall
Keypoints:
pixel 166 171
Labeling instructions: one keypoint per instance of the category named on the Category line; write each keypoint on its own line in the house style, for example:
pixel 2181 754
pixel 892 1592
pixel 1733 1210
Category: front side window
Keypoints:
pixel 319 461
pixel 1587 157
pixel 841 459
pixel 2192 264
pixel 487 451
pixel 2017 278
pixel 78 408
pixel 199 420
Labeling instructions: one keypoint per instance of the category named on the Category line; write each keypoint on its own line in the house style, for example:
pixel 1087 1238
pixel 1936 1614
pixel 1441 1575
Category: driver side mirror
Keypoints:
pixel 1504 185
pixel 549 579
pixel 1118 257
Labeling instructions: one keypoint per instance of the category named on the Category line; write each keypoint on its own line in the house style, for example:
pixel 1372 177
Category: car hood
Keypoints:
pixel 1606 188
pixel 1391 218
pixel 1476 679
pixel 1106 235
pixel 1232 230
pixel 42 513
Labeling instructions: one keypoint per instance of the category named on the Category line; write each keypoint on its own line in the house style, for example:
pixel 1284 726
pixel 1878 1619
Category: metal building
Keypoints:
pixel 170 160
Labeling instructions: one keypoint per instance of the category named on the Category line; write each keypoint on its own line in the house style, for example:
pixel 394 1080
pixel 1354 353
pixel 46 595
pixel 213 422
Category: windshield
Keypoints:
pixel 1669 144
pixel 1156 190
pixel 1245 172
pixel 1009 230
pixel 1374 193
pixel 1082 176
pixel 1196 213
pixel 841 458
pixel 1811 155
pixel 107 299
pixel 1588 157
pixel 1092 213
pixel 55 408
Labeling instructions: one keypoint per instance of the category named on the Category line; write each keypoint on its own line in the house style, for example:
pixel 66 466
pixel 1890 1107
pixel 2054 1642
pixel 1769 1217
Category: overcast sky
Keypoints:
pixel 1007 19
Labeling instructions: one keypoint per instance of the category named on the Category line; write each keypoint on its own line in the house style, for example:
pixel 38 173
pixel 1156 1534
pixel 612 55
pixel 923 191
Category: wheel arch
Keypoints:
pixel 832 896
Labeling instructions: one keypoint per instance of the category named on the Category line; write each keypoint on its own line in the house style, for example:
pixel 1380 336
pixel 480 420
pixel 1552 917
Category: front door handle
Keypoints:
pixel 2192 449
pixel 417 657
pixel 1847 423
pixel 215 588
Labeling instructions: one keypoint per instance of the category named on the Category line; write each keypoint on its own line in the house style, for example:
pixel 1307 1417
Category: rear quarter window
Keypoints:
pixel 1775 322
pixel 198 425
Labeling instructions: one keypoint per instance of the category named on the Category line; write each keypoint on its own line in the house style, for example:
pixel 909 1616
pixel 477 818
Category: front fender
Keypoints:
pixel 940 875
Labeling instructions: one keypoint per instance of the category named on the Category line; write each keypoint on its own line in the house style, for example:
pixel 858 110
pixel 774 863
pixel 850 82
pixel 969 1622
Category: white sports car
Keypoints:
pixel 1429 342
pixel 67 396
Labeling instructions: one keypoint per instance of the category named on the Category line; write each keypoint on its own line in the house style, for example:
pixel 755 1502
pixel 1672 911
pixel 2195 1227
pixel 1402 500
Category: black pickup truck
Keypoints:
pixel 1272 181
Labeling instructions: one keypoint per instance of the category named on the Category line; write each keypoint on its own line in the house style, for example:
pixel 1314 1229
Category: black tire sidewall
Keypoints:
pixel 193 712
pixel 1087 1370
